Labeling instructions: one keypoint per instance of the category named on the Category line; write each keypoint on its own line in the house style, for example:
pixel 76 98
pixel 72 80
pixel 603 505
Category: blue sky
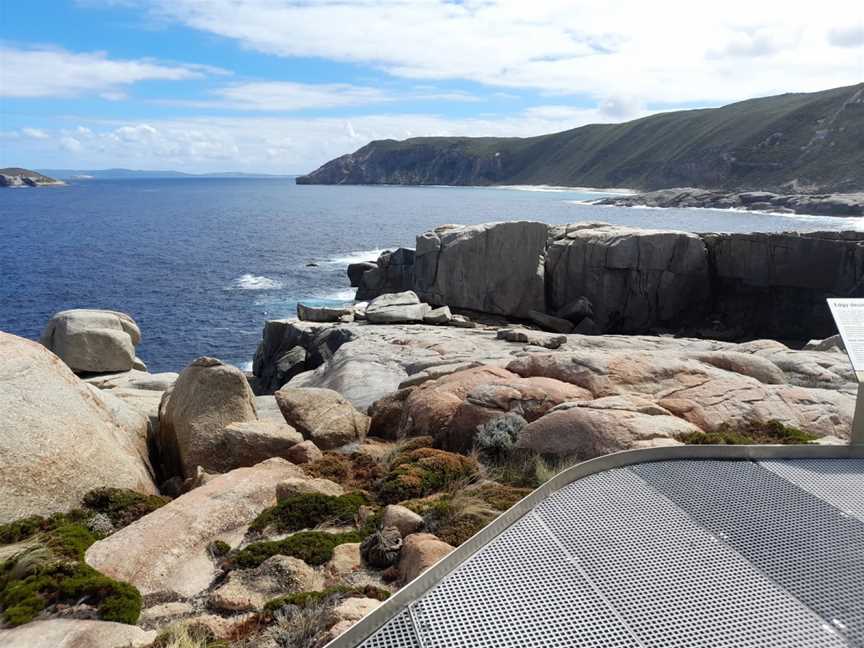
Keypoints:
pixel 282 86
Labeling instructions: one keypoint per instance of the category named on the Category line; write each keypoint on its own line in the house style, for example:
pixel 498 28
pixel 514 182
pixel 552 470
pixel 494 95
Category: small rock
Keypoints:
pixel 250 589
pixel 323 314
pixel 304 452
pixel 534 338
pixel 460 321
pixel 438 316
pixel 419 553
pixel 294 486
pixel 576 310
pixel 346 560
pixel 406 520
pixel 833 343
pixel 353 609
pixel 550 322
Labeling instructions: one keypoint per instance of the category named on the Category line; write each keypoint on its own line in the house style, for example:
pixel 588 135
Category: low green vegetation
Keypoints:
pixel 312 547
pixel 50 569
pixel 423 471
pixel 304 599
pixel 308 511
pixel 122 506
pixel 772 432
pixel 354 471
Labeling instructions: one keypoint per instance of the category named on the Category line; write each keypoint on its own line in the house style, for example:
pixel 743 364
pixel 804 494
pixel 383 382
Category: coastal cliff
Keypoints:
pixel 17 177
pixel 787 143
pixel 600 278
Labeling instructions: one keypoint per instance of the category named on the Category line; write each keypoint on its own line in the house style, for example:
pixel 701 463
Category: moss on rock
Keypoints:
pixel 308 511
pixel 772 432
pixel 312 547
pixel 122 506
pixel 52 571
pixel 304 599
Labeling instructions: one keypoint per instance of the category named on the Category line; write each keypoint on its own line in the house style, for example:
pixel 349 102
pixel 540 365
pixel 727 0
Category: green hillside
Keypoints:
pixel 802 142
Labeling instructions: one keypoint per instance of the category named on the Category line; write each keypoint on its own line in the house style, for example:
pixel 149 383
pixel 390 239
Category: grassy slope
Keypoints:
pixel 815 138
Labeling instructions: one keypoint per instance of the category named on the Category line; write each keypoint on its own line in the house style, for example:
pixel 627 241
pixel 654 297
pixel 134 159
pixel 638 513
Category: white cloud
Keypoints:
pixel 847 35
pixel 273 144
pixel 34 133
pixel 671 52
pixel 58 73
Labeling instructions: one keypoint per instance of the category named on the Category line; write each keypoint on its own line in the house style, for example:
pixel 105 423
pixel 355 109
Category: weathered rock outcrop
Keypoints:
pixel 194 418
pixel 493 268
pixel 166 552
pixel 393 272
pixel 634 279
pixel 639 390
pixel 93 341
pixel 851 204
pixel 396 308
pixel 58 439
pixel 600 278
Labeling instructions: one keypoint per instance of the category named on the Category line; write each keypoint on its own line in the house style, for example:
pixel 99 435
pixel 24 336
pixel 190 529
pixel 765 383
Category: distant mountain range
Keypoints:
pixel 119 174
pixel 788 143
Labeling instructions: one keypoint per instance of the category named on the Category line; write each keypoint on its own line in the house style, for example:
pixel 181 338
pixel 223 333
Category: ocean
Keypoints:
pixel 201 263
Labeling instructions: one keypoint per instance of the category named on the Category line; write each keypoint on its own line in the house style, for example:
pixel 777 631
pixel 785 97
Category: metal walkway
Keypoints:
pixel 701 546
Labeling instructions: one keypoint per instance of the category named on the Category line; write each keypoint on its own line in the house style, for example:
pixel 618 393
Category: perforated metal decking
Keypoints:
pixel 756 547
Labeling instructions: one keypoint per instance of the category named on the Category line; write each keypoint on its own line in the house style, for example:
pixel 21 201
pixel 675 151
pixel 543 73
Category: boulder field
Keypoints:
pixel 186 506
pixel 601 278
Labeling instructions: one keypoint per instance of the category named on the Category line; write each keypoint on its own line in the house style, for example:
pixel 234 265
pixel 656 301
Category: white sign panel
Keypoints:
pixel 849 317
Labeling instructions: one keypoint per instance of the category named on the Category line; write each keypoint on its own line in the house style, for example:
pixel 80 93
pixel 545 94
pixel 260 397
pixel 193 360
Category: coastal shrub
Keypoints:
pixel 300 627
pixel 218 549
pixel 421 472
pixel 312 547
pixel 354 471
pixel 24 528
pixel 454 517
pixel 304 599
pixel 187 635
pixel 499 496
pixel 308 511
pixel 772 432
pixel 121 505
pixel 495 439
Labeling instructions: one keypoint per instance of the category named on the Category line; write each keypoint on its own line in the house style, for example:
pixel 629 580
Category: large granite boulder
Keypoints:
pixel 207 398
pixel 419 552
pixel 393 272
pixel 58 440
pixel 76 633
pixel 90 340
pixel 585 430
pixel 493 268
pixel 634 279
pixel 166 552
pixel 396 308
pixel 322 416
pixel 451 408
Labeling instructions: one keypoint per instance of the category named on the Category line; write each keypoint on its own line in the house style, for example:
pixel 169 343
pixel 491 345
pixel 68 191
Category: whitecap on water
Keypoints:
pixel 358 257
pixel 255 282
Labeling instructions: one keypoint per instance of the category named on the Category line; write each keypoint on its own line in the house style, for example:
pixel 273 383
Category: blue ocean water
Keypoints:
pixel 201 263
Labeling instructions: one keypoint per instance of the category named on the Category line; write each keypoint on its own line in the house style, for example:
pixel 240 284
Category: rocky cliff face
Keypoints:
pixel 789 143
pixel 610 279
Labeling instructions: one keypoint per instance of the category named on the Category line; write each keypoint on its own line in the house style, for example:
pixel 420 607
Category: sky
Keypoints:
pixel 282 86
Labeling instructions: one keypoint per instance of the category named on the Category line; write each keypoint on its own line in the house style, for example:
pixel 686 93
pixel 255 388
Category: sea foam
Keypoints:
pixel 255 282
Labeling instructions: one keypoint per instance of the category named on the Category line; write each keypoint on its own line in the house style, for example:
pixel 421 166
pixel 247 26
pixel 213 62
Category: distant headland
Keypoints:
pixel 17 177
